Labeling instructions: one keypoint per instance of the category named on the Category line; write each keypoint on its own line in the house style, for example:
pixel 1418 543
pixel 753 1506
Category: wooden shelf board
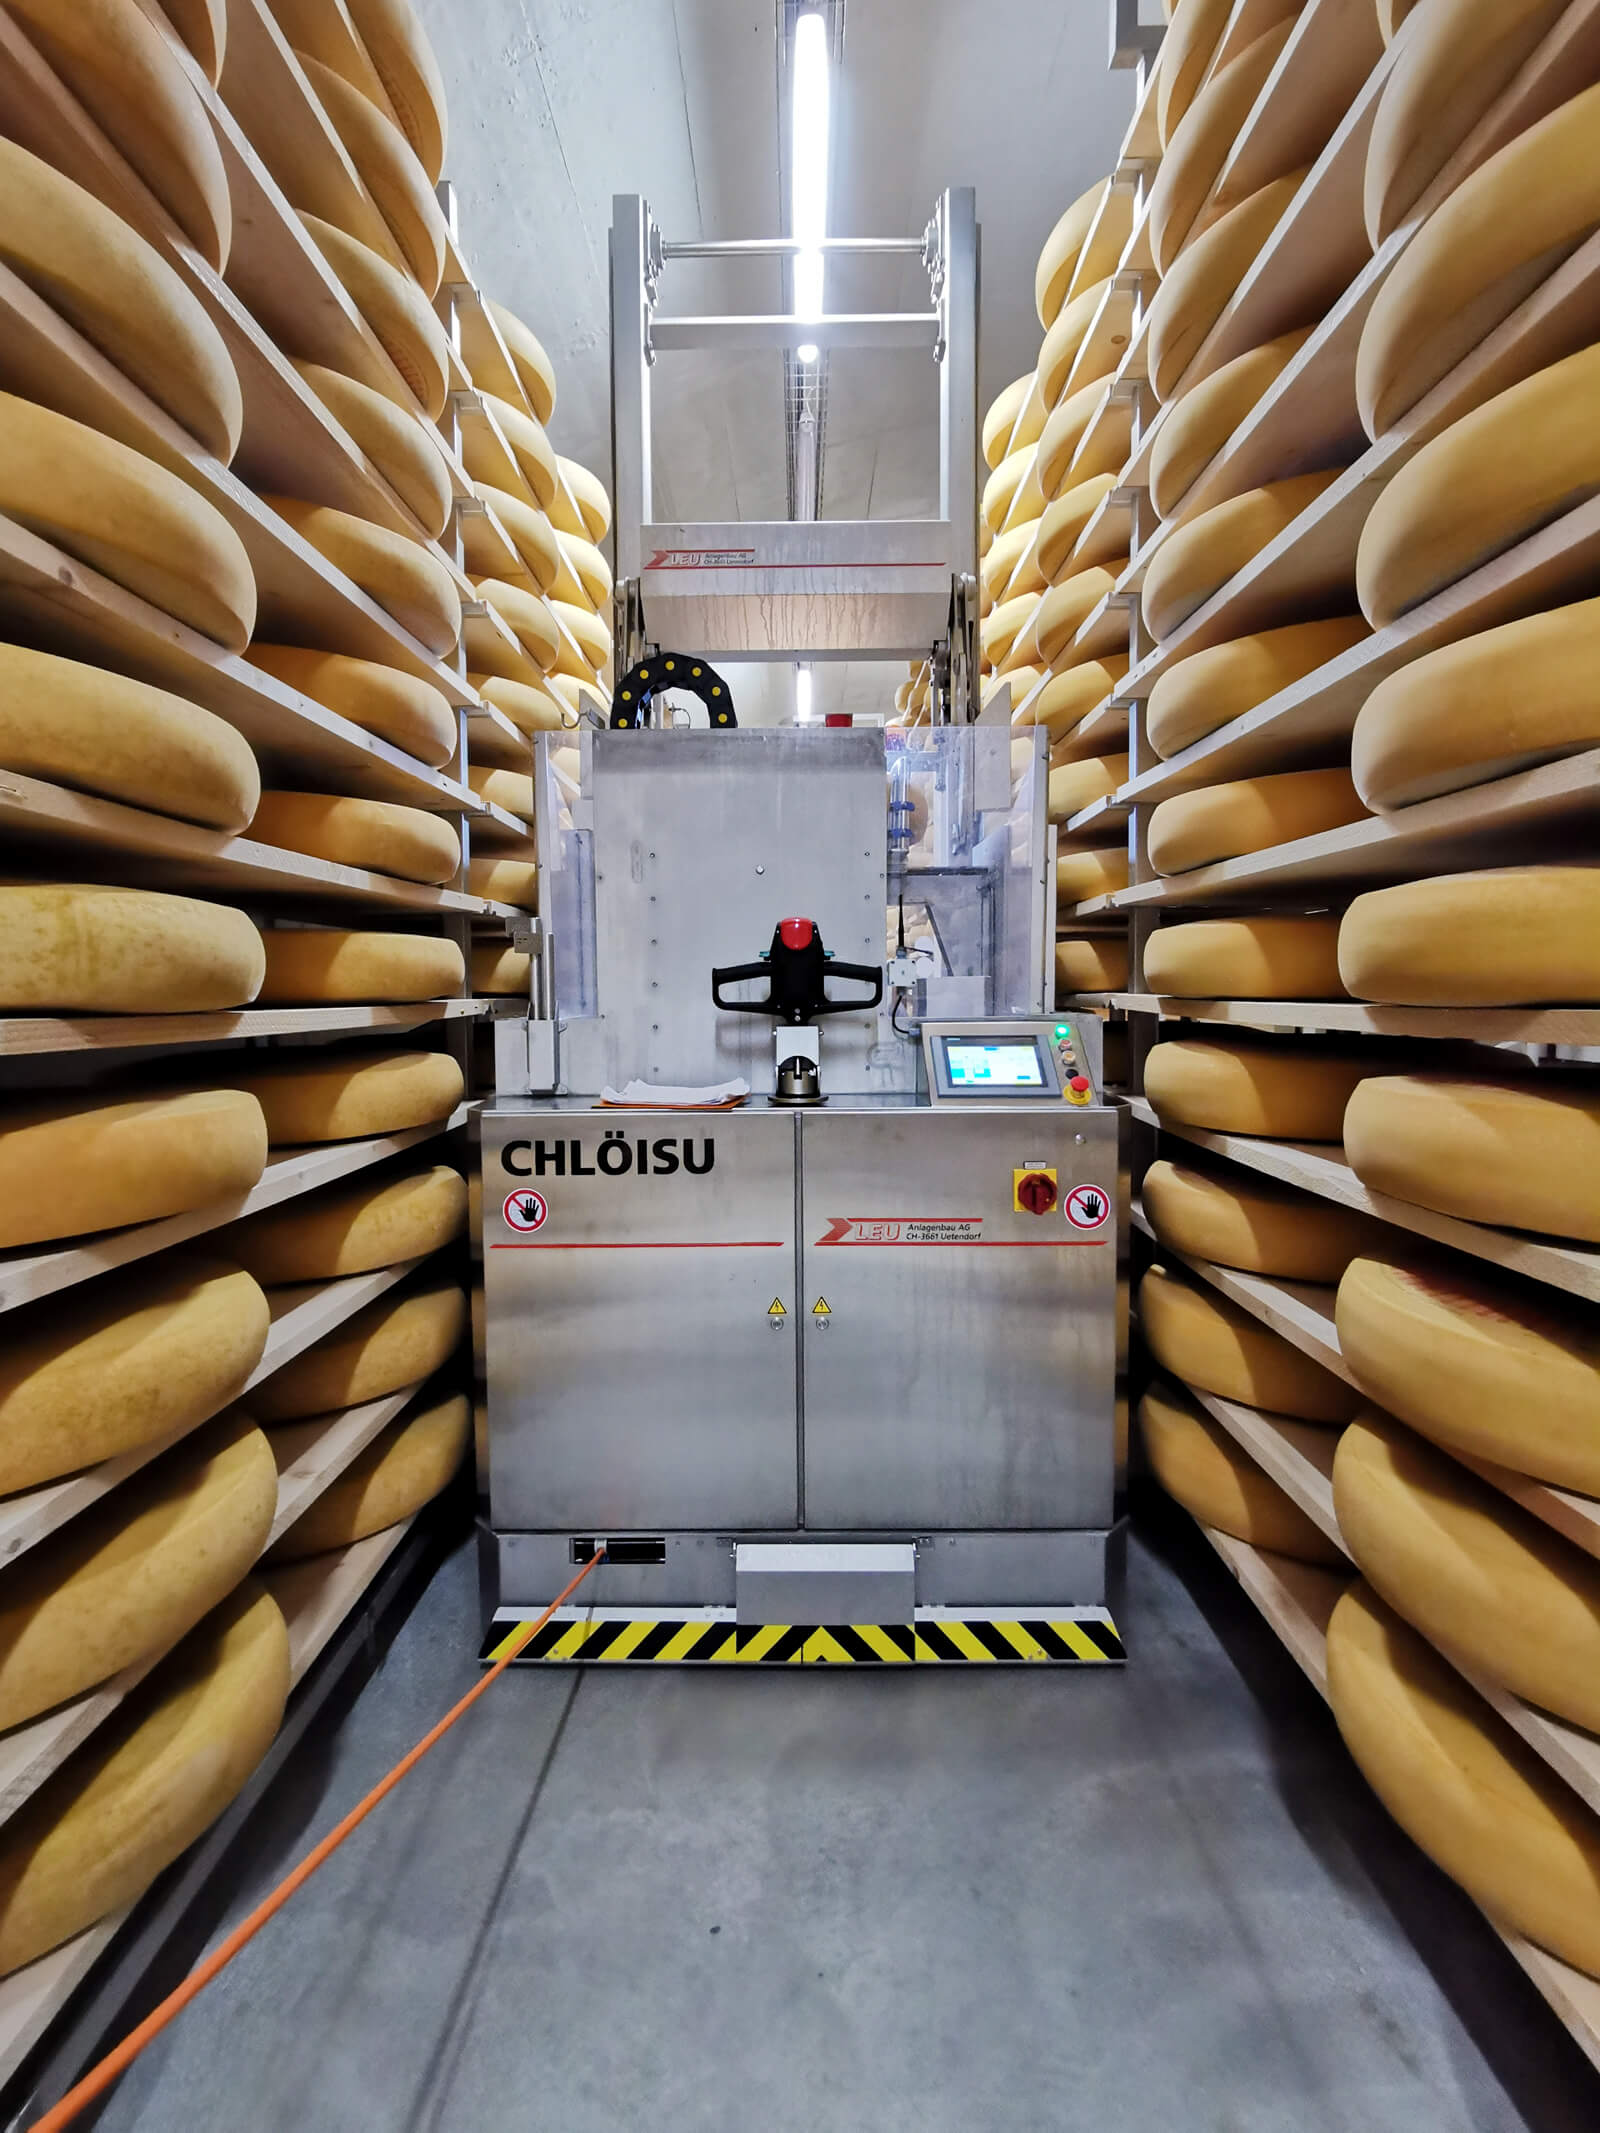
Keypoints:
pixel 314 1453
pixel 302 1312
pixel 1504 1025
pixel 1332 49
pixel 1142 141
pixel 23 1036
pixel 1091 907
pixel 1107 626
pixel 1099 814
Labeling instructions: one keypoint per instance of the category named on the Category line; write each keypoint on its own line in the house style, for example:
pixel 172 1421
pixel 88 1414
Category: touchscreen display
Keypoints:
pixel 974 1064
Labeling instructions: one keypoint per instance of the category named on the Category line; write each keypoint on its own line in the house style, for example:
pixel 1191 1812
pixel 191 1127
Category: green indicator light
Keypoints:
pixel 1063 1029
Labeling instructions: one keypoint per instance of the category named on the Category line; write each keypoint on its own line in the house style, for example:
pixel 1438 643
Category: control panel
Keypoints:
pixel 1008 1062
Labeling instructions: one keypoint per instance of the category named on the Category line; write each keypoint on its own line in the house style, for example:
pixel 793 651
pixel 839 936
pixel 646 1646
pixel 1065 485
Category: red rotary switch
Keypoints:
pixel 1036 1192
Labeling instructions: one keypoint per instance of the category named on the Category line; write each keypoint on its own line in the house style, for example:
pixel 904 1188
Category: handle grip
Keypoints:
pixel 732 974
pixel 861 973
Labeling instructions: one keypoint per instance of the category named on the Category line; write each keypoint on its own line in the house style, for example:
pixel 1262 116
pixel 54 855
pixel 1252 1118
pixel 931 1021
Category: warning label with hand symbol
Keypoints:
pixel 1088 1207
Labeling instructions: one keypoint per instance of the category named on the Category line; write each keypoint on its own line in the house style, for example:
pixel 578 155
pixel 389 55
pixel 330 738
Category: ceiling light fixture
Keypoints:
pixel 808 167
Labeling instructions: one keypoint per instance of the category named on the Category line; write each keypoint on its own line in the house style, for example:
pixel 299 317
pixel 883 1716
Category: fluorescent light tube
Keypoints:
pixel 808 163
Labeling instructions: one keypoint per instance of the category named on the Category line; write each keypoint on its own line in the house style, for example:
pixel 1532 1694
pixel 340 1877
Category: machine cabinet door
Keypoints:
pixel 640 1379
pixel 959 1354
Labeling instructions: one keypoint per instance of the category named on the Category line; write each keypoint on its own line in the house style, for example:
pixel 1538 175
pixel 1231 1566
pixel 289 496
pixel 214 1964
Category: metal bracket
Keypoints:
pixel 1132 41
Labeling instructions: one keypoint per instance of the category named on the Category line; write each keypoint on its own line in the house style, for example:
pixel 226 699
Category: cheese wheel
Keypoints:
pixel 1060 351
pixel 387 166
pixel 132 84
pixel 1476 1367
pixel 1062 527
pixel 1092 963
pixel 1076 786
pixel 1002 484
pixel 1200 143
pixel 1200 1466
pixel 377 835
pixel 350 1229
pixel 498 971
pixel 1195 427
pixel 1202 283
pixel 532 535
pixel 1080 875
pixel 1061 613
pixel 530 709
pixel 393 1478
pixel 1200 556
pixel 510 789
pixel 129 1577
pixel 318 963
pixel 203 26
pixel 396 706
pixel 1503 701
pixel 1053 466
pixel 403 61
pixel 126 517
pixel 1217 822
pixel 79 948
pixel 1233 1218
pixel 1484 1806
pixel 589 494
pixel 1288 1092
pixel 148 1783
pixel 529 617
pixel 1483 249
pixel 585 576
pixel 1005 622
pixel 1069 697
pixel 94 1374
pixel 1106 242
pixel 576 694
pixel 1186 54
pixel 396 441
pixel 1521 1153
pixel 591 636
pixel 396 310
pixel 1207 690
pixel 1203 1338
pixel 1001 419
pixel 344 1096
pixel 1470 1569
pixel 1489 480
pixel 123 739
pixel 1246 959
pixel 411 586
pixel 103 278
pixel 1059 254
pixel 535 372
pixel 389 1343
pixel 505 881
pixel 530 447
pixel 1457 59
pixel 1007 552
pixel 1506 937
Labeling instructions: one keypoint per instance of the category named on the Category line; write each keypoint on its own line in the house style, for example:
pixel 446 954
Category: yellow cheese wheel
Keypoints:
pixel 505 881
pixel 80 948
pixel 1092 963
pixel 1505 700
pixel 530 447
pixel 374 834
pixel 1198 290
pixel 591 636
pixel 94 1374
pixel 1186 55
pixel 1196 426
pixel 1054 467
pixel 999 422
pixel 1002 559
pixel 1287 1092
pixel 510 789
pixel 396 706
pixel 350 1229
pixel 1076 786
pixel 203 27
pixel 394 1477
pixel 1002 485
pixel 1489 480
pixel 1391 13
pixel 1246 959
pixel 103 278
pixel 1207 690
pixel 320 963
pixel 387 166
pixel 123 739
pixel 127 518
pixel 1199 145
pixel 389 1343
pixel 1062 526
pixel 532 534
pixel 531 709
pixel 589 494
pixel 1216 822
pixel 499 971
pixel 1106 242
pixel 1506 937
pixel 343 1096
pixel 1069 697
pixel 1470 1569
pixel 148 1782
pixel 1061 249
pixel 1198 557
pixel 70 1167
pixel 1485 1807
pixel 132 83
pixel 403 61
pixel 585 576
pixel 1004 622
pixel 1234 1218
pixel 529 617
pixel 1524 1153
pixel 1496 237
pixel 1060 350
pixel 1200 1466
pixel 1061 612
pixel 1457 58
pixel 128 1578
pixel 396 440
pixel 411 586
pixel 577 695
pixel 1203 1338
pixel 1098 872
pixel 535 372
pixel 1477 1367
pixel 396 310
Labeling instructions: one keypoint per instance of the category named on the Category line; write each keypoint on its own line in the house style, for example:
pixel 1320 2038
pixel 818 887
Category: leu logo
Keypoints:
pixel 525 1210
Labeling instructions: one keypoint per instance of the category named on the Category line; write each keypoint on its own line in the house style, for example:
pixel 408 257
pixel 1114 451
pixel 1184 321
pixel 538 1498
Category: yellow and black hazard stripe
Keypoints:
pixel 635 1641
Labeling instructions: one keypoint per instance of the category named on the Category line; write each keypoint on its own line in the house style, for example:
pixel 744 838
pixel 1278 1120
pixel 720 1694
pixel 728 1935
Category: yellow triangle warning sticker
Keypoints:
pixel 775 1309
pixel 821 1308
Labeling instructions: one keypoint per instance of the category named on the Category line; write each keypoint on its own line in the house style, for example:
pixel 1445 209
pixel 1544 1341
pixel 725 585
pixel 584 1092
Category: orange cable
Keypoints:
pixel 117 2061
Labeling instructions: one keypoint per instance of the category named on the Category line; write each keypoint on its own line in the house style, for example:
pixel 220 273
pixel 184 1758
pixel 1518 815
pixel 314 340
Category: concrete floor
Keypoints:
pixel 995 1902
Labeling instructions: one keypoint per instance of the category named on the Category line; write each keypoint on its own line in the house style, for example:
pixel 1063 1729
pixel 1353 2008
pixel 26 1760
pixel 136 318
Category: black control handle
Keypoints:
pixel 732 975
pixel 860 973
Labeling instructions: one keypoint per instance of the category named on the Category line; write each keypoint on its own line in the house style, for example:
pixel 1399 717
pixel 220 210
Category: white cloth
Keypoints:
pixel 643 1096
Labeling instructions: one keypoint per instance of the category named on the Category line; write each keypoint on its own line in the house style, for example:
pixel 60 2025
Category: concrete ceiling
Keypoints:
pixel 555 105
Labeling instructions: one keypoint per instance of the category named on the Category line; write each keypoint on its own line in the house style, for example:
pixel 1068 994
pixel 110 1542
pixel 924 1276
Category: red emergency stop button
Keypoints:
pixel 1035 1192
pixel 1078 1090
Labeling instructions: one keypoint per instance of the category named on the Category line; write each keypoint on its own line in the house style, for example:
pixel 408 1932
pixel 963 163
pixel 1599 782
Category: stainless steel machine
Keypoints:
pixel 825 1363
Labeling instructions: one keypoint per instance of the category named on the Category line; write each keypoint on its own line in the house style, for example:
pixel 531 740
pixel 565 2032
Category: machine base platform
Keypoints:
pixel 1080 1636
